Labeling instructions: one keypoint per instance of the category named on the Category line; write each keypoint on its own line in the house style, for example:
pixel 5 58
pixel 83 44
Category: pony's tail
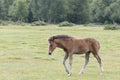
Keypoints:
pixel 98 45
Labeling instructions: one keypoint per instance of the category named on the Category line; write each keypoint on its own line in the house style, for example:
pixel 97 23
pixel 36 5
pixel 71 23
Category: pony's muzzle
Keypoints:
pixel 49 53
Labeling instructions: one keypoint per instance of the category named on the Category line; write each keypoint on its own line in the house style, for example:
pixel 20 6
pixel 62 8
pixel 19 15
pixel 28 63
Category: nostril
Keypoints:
pixel 49 53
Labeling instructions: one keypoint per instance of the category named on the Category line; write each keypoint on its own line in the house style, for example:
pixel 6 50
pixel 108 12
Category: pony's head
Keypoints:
pixel 58 41
pixel 52 45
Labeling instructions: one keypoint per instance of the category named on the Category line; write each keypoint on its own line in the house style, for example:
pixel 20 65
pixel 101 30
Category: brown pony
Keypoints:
pixel 72 46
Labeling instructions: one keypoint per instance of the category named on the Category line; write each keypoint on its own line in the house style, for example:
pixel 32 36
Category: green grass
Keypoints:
pixel 23 53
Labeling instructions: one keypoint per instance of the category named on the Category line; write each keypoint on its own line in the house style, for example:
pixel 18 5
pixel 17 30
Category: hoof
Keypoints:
pixel 80 73
pixel 69 75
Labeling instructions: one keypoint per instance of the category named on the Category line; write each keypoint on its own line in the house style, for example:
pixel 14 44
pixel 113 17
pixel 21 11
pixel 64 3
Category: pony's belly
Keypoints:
pixel 79 52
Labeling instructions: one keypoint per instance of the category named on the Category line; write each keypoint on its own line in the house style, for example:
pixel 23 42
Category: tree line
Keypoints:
pixel 55 11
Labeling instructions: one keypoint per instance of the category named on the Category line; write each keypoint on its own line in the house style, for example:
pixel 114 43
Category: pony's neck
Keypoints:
pixel 61 44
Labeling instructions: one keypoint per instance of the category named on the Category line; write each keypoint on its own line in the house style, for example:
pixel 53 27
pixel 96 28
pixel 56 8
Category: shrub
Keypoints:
pixel 66 23
pixel 19 23
pixel 38 23
pixel 3 23
pixel 6 23
pixel 112 27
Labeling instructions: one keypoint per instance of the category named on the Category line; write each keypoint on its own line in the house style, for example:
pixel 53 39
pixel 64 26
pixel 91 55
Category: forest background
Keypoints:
pixel 56 11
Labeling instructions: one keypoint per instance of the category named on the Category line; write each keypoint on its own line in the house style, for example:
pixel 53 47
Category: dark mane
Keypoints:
pixel 59 37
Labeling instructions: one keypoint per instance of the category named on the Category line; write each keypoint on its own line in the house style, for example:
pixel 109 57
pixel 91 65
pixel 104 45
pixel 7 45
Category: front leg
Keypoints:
pixel 64 60
pixel 70 62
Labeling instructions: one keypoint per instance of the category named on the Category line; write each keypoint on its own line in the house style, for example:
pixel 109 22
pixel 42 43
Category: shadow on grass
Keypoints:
pixel 44 58
pixel 15 58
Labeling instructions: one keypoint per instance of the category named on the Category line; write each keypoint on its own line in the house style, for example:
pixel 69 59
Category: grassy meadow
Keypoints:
pixel 24 53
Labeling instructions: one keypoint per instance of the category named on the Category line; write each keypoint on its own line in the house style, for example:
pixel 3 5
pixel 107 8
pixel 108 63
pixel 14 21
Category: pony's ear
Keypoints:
pixel 52 38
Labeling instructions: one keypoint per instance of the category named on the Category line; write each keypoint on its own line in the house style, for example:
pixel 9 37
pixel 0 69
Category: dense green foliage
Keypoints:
pixel 105 11
pixel 55 11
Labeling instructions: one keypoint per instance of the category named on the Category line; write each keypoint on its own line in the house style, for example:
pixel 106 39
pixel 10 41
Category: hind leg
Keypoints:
pixel 100 63
pixel 85 64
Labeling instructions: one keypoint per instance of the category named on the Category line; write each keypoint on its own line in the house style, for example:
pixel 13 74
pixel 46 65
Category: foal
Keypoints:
pixel 71 46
